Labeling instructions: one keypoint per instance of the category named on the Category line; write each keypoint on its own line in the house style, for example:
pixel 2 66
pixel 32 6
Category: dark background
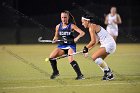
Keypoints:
pixel 23 21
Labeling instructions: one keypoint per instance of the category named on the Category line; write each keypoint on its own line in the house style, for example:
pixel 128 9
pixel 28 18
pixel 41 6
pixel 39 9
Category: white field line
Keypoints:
pixel 3 80
pixel 67 85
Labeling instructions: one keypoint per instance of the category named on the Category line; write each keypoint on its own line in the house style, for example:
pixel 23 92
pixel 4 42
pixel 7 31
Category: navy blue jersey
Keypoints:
pixel 66 34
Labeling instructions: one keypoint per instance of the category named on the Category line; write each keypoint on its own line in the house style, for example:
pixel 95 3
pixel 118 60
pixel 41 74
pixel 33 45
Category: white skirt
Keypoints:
pixel 109 44
pixel 112 32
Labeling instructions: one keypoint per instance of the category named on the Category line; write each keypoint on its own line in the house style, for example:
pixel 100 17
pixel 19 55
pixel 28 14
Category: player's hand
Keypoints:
pixel 115 21
pixel 76 40
pixel 54 41
pixel 85 49
pixel 109 22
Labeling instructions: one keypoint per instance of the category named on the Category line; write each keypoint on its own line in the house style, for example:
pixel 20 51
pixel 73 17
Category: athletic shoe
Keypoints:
pixel 108 75
pixel 54 75
pixel 80 77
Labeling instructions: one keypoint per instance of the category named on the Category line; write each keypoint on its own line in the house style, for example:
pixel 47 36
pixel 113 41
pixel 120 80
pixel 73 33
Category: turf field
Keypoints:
pixel 23 70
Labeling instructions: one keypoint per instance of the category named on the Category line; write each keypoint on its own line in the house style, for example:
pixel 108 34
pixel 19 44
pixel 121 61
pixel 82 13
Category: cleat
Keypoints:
pixel 80 77
pixel 54 75
pixel 108 75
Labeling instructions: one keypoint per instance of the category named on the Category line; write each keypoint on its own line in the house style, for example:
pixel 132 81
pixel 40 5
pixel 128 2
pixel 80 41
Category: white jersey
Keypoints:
pixel 111 24
pixel 106 40
pixel 112 27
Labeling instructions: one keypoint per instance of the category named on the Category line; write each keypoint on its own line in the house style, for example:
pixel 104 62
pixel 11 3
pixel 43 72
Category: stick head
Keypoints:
pixel 47 59
pixel 39 39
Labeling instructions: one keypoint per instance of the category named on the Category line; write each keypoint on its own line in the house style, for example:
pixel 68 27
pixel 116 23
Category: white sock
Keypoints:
pixel 106 68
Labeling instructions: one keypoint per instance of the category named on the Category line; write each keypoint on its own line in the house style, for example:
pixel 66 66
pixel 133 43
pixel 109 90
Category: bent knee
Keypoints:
pixel 98 61
pixel 94 58
pixel 56 52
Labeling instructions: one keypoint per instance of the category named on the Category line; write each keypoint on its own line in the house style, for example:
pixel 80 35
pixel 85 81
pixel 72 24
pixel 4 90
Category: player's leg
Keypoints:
pixel 115 35
pixel 75 65
pixel 57 52
pixel 99 57
pixel 112 33
pixel 115 38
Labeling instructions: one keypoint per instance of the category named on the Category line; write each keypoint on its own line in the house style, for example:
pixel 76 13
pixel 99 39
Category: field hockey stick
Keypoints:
pixel 64 56
pixel 51 41
pixel 48 41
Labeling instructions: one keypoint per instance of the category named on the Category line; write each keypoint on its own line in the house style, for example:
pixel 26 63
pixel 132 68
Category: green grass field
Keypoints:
pixel 23 70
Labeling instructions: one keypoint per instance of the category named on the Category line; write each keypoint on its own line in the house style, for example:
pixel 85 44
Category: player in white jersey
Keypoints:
pixel 112 20
pixel 108 45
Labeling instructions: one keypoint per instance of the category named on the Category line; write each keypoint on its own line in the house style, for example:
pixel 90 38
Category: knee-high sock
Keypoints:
pixel 54 66
pixel 76 67
pixel 102 64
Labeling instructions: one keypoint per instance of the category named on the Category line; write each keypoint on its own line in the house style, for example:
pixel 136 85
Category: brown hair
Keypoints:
pixel 70 15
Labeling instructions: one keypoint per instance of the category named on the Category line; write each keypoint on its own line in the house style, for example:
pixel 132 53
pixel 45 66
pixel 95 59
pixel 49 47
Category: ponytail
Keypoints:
pixel 73 19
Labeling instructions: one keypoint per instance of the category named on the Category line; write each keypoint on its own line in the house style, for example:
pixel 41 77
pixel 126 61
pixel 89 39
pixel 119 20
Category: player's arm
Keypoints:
pixel 92 41
pixel 119 21
pixel 106 20
pixel 56 33
pixel 81 33
pixel 92 36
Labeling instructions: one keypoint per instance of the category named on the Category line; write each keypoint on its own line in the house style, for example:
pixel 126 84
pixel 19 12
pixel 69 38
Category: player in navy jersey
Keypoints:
pixel 65 31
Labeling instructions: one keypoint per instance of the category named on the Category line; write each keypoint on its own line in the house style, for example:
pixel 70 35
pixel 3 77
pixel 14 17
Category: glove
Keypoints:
pixel 85 50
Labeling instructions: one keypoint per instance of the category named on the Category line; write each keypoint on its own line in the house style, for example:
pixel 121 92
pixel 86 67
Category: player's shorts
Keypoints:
pixel 109 45
pixel 66 47
pixel 112 32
